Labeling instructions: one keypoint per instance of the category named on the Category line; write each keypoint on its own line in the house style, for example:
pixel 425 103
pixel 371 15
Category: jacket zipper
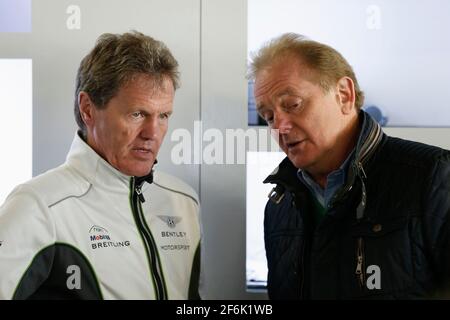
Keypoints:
pixel 149 243
pixel 346 188
pixel 139 194
pixel 360 274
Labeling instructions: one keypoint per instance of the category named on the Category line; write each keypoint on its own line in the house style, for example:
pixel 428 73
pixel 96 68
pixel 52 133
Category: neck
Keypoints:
pixel 345 143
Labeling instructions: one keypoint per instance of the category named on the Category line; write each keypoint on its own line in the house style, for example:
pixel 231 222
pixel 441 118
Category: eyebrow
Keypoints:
pixel 289 91
pixel 260 106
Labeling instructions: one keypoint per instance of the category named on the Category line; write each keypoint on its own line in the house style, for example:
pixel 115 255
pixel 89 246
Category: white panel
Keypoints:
pixel 224 101
pixel 15 123
pixel 259 166
pixel 15 15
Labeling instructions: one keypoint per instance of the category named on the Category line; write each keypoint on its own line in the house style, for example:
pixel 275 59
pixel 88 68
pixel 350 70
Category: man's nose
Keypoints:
pixel 150 127
pixel 282 122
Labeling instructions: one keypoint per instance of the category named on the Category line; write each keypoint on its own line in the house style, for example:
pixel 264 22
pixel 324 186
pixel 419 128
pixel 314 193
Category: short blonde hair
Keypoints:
pixel 328 64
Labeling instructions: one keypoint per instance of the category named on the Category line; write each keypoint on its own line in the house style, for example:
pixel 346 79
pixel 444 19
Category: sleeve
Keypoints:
pixel 25 230
pixel 437 225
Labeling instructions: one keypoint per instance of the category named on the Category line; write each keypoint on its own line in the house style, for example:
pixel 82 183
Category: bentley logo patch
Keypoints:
pixel 170 220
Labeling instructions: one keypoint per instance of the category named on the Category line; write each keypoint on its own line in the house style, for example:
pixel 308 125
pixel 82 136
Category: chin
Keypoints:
pixel 137 170
pixel 141 173
pixel 299 163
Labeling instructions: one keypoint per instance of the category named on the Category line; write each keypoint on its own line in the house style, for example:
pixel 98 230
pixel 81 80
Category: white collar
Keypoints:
pixel 94 168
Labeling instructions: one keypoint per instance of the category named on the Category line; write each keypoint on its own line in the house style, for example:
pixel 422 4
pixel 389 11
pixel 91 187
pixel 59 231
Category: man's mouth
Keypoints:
pixel 145 152
pixel 142 150
pixel 293 144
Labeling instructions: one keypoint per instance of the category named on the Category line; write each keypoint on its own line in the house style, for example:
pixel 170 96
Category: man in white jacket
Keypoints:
pixel 105 224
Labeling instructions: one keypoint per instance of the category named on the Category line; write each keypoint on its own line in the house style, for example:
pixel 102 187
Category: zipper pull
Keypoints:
pixel 360 263
pixel 139 193
pixel 359 272
pixel 362 170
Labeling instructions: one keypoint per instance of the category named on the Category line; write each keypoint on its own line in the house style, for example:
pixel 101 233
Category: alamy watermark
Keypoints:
pixel 73 281
pixel 373 21
pixel 214 146
pixel 73 21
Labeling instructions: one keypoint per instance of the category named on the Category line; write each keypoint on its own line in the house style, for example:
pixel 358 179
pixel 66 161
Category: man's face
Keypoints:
pixel 130 129
pixel 308 119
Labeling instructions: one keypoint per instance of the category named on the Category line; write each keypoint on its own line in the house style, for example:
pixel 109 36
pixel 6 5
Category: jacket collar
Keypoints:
pixel 98 171
pixel 368 141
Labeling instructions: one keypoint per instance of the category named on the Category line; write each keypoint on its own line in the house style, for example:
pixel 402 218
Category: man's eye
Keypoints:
pixel 290 105
pixel 293 105
pixel 268 118
pixel 164 115
pixel 137 115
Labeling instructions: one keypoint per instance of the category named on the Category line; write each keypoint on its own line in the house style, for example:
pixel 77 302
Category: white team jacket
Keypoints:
pixel 81 231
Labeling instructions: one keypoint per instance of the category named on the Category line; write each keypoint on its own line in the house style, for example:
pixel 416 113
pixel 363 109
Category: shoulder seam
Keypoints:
pixel 73 196
pixel 176 191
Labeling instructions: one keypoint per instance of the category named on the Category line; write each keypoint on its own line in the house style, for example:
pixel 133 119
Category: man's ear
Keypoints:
pixel 87 109
pixel 346 94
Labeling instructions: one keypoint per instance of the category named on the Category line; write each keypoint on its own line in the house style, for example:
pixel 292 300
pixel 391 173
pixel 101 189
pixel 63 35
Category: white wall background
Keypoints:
pixel 399 49
pixel 209 39
pixel 15 123
pixel 259 166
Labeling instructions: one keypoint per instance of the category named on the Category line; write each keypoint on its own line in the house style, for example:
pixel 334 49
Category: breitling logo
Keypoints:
pixel 170 220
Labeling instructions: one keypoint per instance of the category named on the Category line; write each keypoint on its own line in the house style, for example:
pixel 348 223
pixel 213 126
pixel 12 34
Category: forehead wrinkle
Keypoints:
pixel 275 93
pixel 268 84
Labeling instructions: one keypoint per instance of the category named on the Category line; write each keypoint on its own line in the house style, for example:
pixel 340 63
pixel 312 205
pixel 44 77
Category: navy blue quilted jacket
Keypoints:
pixel 386 234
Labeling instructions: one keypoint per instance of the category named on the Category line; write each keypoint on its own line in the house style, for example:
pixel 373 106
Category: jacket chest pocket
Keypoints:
pixel 381 258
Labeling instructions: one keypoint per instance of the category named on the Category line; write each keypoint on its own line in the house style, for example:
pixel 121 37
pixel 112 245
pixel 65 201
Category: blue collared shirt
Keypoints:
pixel 335 180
